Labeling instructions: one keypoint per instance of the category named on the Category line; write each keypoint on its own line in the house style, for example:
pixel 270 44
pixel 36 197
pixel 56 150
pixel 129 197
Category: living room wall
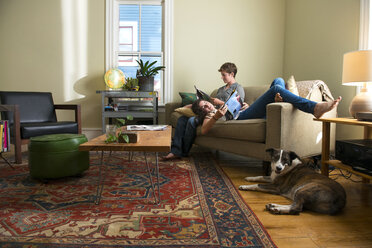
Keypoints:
pixel 318 33
pixel 207 34
pixel 58 46
pixel 55 46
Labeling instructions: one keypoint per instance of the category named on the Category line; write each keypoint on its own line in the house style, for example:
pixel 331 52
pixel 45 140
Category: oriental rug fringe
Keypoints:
pixel 199 207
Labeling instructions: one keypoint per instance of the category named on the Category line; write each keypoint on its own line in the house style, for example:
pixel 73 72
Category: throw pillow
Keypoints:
pixel 187 98
pixel 185 111
pixel 291 85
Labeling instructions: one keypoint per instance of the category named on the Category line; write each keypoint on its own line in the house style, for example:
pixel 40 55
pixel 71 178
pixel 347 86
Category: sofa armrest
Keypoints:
pixel 169 109
pixel 291 129
pixel 76 108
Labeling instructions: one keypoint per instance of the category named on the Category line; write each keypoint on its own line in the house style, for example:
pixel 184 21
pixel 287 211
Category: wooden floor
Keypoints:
pixel 351 228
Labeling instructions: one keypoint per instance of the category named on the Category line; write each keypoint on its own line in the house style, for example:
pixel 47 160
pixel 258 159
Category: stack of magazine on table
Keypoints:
pixel 233 103
pixel 364 116
pixel 146 127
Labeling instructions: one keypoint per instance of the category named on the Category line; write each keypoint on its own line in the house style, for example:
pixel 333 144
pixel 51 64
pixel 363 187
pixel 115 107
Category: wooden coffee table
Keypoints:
pixel 148 141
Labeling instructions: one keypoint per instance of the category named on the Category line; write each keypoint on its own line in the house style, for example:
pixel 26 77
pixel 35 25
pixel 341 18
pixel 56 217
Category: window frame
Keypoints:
pixel 112 28
pixel 365 32
pixel 365 39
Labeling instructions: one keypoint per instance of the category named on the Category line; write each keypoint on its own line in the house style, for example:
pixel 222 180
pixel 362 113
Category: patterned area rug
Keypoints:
pixel 199 207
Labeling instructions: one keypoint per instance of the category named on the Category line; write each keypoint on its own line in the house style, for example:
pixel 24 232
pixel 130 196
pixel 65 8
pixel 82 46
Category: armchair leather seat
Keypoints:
pixel 29 130
pixel 32 114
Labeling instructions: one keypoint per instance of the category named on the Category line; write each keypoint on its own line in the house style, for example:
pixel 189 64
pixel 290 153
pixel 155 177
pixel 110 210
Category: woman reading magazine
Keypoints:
pixel 185 131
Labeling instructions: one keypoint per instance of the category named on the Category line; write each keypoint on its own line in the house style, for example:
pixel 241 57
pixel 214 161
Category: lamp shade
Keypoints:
pixel 357 68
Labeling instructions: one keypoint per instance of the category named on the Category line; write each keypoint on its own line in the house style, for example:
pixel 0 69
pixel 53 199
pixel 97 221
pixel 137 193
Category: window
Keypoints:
pixel 140 30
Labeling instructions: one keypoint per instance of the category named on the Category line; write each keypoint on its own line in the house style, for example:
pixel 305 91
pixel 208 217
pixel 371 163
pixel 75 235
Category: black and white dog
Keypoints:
pixel 296 181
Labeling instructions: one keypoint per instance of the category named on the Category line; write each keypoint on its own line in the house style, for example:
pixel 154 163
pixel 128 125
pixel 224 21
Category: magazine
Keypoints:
pixel 234 105
pixel 146 127
pixel 202 95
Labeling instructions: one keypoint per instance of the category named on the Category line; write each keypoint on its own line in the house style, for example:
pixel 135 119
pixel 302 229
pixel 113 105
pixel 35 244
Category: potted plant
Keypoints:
pixel 113 135
pixel 132 84
pixel 146 73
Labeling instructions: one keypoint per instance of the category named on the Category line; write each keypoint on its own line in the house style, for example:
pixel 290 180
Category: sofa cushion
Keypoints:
pixel 292 86
pixel 187 98
pixel 173 118
pixel 185 111
pixel 253 130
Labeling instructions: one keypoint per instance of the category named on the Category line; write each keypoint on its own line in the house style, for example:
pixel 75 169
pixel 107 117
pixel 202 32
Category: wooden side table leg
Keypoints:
pixel 325 148
pixel 367 135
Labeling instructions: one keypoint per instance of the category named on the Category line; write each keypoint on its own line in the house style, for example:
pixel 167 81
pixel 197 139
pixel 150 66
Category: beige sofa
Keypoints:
pixel 285 126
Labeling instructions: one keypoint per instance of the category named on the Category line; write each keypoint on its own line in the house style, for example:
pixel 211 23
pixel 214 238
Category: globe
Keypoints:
pixel 114 78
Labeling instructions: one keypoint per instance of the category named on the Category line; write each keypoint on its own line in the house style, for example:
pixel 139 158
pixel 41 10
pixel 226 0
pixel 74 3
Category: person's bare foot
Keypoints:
pixel 170 156
pixel 278 97
pixel 323 107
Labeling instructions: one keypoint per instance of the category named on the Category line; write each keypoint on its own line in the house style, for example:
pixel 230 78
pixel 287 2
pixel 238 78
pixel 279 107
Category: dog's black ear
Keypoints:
pixel 270 150
pixel 293 156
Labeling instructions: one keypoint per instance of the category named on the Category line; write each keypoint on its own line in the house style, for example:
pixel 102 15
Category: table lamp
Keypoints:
pixel 357 71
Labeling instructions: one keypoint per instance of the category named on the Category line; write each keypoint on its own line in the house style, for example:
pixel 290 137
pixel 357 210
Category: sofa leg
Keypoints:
pixel 266 168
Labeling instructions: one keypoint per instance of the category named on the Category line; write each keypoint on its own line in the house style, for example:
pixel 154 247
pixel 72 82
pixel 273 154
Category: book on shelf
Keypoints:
pixel 4 136
pixel 8 136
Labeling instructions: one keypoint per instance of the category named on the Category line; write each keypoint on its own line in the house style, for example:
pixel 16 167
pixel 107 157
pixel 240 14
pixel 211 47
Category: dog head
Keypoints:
pixel 283 161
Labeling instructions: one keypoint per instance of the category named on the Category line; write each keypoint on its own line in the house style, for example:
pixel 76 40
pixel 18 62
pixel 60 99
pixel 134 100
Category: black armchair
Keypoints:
pixel 32 114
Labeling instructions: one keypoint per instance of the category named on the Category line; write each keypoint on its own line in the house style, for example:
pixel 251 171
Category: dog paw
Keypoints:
pixel 243 187
pixel 272 208
pixel 248 179
pixel 269 206
pixel 251 187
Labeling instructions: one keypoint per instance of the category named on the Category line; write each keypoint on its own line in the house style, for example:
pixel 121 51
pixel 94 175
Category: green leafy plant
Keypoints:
pixel 131 84
pixel 148 69
pixel 112 138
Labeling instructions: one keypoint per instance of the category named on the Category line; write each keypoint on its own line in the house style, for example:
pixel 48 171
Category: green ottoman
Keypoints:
pixel 57 155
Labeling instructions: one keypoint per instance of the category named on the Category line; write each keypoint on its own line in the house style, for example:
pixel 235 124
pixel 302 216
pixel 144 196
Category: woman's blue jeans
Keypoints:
pixel 258 108
pixel 184 136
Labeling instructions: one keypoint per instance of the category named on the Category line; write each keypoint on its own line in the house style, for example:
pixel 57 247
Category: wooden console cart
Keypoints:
pixel 326 142
pixel 138 104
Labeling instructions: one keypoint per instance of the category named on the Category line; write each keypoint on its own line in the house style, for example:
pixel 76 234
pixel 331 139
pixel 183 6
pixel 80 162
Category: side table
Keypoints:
pixel 326 142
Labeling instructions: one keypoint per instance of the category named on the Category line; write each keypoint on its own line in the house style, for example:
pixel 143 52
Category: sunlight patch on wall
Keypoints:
pixel 319 137
pixel 74 37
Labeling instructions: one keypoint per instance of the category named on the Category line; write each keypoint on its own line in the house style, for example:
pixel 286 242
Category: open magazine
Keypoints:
pixel 233 105
pixel 202 95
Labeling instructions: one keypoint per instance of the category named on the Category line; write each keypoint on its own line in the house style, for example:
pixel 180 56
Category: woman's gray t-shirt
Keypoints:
pixel 223 94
